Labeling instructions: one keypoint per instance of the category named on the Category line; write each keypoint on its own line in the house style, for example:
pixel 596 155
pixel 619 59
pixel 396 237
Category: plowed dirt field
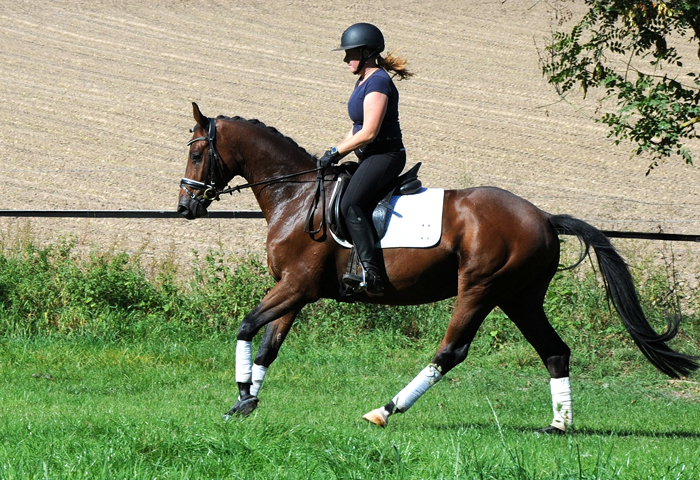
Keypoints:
pixel 97 99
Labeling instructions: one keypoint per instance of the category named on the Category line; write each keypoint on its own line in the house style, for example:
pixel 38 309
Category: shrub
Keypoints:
pixel 52 290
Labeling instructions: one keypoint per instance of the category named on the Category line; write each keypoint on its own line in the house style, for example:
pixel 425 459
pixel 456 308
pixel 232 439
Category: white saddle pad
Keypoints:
pixel 415 221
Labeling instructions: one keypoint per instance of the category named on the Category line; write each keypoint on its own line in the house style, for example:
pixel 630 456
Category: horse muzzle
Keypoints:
pixel 192 208
pixel 191 205
pixel 192 211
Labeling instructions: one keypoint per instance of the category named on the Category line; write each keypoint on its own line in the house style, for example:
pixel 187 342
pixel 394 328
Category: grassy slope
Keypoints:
pixel 79 408
pixel 106 374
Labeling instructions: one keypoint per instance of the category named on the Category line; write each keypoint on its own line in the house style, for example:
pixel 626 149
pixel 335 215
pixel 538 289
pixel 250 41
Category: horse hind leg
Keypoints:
pixel 403 400
pixel 465 322
pixel 529 316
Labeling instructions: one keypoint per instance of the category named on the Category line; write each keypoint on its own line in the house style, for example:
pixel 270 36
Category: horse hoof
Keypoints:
pixel 243 407
pixel 551 430
pixel 377 417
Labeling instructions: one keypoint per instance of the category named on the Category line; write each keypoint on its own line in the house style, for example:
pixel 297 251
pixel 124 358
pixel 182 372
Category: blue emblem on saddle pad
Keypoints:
pixel 413 221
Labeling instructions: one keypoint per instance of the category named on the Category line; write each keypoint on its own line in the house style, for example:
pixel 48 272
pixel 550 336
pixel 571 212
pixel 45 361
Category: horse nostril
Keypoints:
pixel 184 211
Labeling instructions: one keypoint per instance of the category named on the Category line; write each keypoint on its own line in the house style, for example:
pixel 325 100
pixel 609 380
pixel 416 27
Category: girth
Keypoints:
pixel 406 184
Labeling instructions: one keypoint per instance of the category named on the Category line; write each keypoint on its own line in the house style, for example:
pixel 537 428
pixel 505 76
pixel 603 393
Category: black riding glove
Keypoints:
pixel 330 157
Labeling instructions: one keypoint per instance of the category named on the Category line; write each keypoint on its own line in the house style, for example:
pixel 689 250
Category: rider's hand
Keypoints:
pixel 330 157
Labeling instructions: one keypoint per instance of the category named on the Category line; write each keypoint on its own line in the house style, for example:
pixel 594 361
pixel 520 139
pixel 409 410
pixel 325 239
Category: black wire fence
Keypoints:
pixel 163 214
pixel 124 214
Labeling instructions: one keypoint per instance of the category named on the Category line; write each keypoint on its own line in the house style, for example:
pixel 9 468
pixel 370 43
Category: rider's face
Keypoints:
pixel 352 58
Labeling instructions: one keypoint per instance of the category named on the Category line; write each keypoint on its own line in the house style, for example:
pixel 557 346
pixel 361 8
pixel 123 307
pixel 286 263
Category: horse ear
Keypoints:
pixel 201 120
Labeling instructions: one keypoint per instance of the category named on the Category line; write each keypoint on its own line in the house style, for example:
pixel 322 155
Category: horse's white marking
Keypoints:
pixel 258 378
pixel 428 377
pixel 244 361
pixel 561 402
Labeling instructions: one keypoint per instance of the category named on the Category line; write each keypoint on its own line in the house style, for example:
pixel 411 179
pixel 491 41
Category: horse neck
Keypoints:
pixel 263 156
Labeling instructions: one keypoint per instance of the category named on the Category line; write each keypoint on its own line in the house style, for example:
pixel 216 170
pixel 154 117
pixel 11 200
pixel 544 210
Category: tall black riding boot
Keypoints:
pixel 362 235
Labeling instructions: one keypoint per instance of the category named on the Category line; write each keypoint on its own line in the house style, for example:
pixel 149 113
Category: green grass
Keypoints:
pixel 107 372
pixel 84 409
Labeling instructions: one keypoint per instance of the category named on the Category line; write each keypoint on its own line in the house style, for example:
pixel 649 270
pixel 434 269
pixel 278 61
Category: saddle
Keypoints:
pixel 405 184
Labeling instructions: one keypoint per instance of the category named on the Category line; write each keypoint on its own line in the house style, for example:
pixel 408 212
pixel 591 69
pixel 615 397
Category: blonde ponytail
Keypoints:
pixel 396 64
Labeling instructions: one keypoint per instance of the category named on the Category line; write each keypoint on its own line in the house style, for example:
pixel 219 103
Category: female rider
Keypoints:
pixel 375 137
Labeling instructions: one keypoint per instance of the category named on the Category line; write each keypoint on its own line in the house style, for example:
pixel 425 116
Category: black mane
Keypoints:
pixel 272 130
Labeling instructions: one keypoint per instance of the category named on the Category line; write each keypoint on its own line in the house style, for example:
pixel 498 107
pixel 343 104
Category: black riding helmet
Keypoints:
pixel 362 35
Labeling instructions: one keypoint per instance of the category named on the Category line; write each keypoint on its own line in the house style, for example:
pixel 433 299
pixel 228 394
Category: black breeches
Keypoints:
pixel 371 179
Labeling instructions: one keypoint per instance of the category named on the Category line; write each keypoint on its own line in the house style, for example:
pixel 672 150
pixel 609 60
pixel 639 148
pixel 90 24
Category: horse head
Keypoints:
pixel 207 172
pixel 224 147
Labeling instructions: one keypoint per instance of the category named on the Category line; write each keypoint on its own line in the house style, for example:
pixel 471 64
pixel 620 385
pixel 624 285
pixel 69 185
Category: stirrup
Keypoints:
pixel 358 283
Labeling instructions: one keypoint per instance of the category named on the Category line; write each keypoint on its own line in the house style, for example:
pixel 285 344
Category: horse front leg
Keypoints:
pixel 272 340
pixel 269 348
pixel 277 310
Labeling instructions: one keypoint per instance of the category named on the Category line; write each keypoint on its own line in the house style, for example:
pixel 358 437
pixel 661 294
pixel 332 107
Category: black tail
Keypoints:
pixel 620 289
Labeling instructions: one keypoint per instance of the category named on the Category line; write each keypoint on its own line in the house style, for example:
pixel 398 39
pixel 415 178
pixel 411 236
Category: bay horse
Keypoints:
pixel 496 250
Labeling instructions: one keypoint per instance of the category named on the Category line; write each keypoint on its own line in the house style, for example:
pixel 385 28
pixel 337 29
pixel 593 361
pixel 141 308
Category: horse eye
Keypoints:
pixel 196 157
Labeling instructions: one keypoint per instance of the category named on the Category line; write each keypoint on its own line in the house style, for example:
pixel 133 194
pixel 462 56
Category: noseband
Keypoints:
pixel 210 192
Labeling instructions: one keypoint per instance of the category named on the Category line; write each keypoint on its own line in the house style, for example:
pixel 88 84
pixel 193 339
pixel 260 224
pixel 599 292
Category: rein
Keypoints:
pixel 320 191
pixel 210 192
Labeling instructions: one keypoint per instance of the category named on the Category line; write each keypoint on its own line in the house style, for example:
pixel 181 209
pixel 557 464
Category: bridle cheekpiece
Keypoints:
pixel 209 190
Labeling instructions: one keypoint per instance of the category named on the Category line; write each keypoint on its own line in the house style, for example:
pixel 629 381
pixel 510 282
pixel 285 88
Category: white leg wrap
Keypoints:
pixel 244 361
pixel 258 377
pixel 428 377
pixel 561 402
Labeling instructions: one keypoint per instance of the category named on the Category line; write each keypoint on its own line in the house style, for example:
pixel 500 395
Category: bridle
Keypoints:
pixel 210 192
